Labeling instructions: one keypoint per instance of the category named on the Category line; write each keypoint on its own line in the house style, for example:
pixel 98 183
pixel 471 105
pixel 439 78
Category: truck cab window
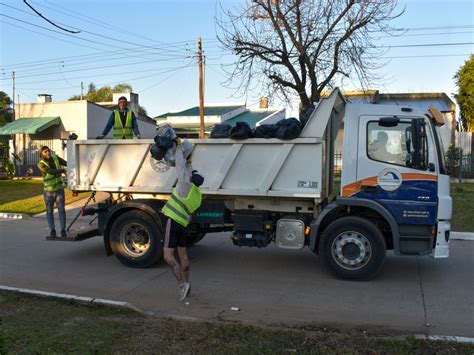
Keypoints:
pixel 388 144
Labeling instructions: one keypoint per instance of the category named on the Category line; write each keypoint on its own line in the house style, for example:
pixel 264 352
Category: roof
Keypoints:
pixel 29 125
pixel 208 111
pixel 421 100
pixel 250 117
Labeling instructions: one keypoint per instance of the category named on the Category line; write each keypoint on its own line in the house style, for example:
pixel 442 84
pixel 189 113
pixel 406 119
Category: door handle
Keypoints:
pixel 368 189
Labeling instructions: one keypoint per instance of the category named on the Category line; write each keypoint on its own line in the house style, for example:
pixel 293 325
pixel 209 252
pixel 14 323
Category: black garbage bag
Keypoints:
pixel 164 142
pixel 241 131
pixel 289 128
pixel 265 131
pixel 157 152
pixel 220 131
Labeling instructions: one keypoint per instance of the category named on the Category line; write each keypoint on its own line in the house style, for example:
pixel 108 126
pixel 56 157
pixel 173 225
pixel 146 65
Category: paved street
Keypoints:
pixel 270 286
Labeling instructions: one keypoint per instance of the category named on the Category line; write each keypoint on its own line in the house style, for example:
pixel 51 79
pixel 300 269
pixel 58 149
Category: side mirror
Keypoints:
pixel 418 142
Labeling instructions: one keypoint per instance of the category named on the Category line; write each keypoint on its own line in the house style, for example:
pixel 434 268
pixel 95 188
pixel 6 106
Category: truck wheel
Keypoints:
pixel 352 248
pixel 135 238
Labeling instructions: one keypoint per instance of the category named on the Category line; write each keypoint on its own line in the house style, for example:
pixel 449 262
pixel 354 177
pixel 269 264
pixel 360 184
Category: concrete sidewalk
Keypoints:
pixel 271 286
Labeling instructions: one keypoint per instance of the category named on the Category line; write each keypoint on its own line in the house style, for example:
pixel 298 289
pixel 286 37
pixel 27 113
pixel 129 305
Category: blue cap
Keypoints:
pixel 122 98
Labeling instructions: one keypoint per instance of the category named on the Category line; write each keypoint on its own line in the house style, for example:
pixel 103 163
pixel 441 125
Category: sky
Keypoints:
pixel 162 66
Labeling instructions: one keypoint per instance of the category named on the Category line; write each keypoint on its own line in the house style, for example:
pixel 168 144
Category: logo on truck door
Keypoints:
pixel 389 179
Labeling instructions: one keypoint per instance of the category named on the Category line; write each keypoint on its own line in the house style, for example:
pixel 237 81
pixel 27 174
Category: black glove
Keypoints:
pixel 196 178
pixel 164 142
pixel 157 152
pixel 99 137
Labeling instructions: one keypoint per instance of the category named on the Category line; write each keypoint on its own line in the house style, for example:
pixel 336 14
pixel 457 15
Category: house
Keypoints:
pixel 50 123
pixel 187 122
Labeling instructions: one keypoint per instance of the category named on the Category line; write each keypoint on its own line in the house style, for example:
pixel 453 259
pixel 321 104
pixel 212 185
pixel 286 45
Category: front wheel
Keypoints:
pixel 352 248
pixel 135 238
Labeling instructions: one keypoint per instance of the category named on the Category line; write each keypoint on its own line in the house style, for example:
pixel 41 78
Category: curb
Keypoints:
pixel 9 215
pixel 462 236
pixel 450 338
pixel 66 296
pixel 120 304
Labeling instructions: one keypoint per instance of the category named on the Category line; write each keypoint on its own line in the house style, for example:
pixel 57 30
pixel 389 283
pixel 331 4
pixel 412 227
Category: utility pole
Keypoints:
pixel 13 96
pixel 82 90
pixel 13 119
pixel 201 91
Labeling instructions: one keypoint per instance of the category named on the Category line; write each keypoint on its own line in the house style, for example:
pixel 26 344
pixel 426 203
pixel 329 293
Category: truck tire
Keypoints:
pixel 136 239
pixel 352 248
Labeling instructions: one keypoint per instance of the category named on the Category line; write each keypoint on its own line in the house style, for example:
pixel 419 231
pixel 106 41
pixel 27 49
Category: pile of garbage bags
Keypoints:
pixel 289 128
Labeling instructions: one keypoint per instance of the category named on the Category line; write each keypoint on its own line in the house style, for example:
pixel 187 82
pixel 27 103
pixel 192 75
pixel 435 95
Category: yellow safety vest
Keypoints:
pixel 52 182
pixel 180 209
pixel 121 132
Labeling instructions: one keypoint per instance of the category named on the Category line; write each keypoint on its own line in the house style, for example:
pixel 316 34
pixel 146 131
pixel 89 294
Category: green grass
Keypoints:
pixel 26 196
pixel 463 207
pixel 39 325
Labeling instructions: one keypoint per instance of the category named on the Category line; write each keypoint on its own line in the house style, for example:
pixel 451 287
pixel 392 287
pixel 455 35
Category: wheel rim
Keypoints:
pixel 135 239
pixel 351 250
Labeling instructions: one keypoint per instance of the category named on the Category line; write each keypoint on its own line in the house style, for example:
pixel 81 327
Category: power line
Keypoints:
pixel 426 45
pixel 425 34
pixel 86 31
pixel 48 20
pixel 86 39
pixel 44 34
pixel 100 23
pixel 90 68
pixel 108 74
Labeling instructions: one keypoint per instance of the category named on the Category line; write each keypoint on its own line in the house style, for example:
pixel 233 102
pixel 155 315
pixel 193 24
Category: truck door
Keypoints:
pixel 396 167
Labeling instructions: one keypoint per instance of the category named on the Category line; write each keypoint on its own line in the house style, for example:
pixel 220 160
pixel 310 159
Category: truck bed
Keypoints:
pixel 261 168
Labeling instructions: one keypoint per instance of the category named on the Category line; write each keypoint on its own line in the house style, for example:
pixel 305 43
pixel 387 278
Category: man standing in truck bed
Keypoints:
pixel 185 199
pixel 123 121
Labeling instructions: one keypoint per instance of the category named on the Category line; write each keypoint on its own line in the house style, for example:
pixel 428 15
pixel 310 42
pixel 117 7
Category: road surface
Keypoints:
pixel 270 286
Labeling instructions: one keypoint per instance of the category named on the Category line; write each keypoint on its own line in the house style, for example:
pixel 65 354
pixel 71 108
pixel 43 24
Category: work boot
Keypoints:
pixel 184 291
pixel 63 233
pixel 52 234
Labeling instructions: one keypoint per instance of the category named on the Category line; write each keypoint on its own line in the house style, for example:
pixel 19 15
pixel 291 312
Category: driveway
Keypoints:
pixel 271 286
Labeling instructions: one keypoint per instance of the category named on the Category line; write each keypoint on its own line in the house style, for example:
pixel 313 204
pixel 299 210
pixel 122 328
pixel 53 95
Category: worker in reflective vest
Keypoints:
pixel 51 167
pixel 122 121
pixel 185 199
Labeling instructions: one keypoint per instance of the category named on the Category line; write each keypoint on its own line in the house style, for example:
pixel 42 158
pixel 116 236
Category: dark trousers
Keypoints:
pixel 51 197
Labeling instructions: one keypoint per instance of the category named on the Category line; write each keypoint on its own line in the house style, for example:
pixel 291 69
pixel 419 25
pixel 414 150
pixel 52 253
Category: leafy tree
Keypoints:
pixel 6 110
pixel 105 94
pixel 465 96
pixel 300 47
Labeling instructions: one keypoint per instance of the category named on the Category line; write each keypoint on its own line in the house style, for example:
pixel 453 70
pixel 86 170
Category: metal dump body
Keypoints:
pixel 265 168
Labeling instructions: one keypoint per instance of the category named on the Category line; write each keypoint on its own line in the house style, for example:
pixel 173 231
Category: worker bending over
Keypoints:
pixel 185 199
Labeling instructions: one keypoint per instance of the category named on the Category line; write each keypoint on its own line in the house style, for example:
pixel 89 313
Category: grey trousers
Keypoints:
pixel 51 197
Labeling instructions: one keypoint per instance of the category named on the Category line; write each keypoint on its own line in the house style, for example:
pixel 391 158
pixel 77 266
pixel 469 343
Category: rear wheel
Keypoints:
pixel 136 239
pixel 352 248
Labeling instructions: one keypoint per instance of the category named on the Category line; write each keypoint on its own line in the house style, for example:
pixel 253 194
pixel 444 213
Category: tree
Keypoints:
pixel 103 94
pixel 465 96
pixel 300 47
pixel 6 110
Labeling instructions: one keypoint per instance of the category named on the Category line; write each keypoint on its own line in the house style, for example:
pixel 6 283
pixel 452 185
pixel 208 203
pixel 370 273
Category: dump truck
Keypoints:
pixel 394 193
